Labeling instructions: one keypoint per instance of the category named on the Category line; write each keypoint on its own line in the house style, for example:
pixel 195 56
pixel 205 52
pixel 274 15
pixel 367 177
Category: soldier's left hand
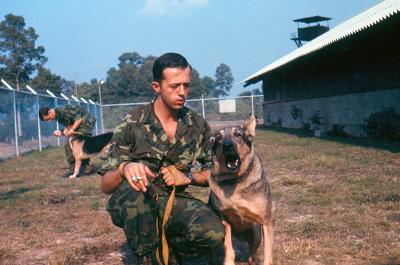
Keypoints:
pixel 67 132
pixel 173 176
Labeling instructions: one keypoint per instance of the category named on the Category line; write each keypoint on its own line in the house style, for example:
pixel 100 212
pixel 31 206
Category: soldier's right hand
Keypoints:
pixel 57 133
pixel 137 175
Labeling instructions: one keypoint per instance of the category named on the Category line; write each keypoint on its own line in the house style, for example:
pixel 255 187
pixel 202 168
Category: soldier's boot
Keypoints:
pixel 69 171
pixel 87 167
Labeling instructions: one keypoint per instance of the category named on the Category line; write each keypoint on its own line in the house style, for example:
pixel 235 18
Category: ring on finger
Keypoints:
pixel 139 178
pixel 134 178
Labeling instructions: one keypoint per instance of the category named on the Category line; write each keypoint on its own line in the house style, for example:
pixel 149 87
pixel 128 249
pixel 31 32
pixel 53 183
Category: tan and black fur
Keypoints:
pixel 84 147
pixel 240 191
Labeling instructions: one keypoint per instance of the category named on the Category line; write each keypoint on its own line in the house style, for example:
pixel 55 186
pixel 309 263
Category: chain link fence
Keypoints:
pixel 218 112
pixel 20 128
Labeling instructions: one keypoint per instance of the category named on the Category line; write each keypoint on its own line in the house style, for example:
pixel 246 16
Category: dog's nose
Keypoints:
pixel 227 145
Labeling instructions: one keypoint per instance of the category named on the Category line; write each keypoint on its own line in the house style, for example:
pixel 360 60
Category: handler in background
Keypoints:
pixel 160 143
pixel 75 119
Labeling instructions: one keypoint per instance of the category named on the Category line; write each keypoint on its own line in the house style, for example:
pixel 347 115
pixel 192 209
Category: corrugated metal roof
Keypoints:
pixel 366 19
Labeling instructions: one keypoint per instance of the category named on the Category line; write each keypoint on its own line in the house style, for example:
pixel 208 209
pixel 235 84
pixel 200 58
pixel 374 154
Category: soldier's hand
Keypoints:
pixel 57 133
pixel 137 175
pixel 173 176
pixel 67 132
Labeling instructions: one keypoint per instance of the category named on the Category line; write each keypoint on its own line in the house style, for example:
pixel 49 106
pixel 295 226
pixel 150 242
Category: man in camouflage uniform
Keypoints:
pixel 76 120
pixel 154 150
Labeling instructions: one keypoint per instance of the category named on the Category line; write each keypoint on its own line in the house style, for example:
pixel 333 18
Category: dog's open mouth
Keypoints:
pixel 232 161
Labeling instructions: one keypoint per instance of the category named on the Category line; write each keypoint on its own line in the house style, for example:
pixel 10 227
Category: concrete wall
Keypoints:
pixel 351 110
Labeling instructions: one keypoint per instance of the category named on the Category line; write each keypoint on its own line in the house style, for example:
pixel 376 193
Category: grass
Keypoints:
pixel 336 201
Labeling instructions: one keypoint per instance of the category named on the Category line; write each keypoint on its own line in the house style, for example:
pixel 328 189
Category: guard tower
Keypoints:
pixel 311 30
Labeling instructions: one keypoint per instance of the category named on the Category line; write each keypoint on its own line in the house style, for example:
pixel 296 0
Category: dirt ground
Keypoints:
pixel 336 201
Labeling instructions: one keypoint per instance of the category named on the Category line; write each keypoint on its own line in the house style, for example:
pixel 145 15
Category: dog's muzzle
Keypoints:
pixel 232 160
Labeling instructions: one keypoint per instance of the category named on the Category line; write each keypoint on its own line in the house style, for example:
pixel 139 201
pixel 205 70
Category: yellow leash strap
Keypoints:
pixel 167 213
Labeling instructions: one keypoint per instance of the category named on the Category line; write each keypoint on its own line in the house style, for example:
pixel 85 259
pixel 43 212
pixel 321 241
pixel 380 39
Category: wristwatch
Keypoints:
pixel 190 176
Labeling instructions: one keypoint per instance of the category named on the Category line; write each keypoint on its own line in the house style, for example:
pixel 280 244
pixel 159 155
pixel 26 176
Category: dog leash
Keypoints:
pixel 167 214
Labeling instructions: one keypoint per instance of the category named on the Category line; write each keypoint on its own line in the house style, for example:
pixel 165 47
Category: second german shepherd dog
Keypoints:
pixel 240 191
pixel 84 147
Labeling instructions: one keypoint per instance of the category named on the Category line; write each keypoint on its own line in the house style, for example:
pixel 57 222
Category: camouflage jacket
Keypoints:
pixel 141 138
pixel 66 115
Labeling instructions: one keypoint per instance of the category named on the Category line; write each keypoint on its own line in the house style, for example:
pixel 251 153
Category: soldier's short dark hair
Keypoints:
pixel 168 60
pixel 43 111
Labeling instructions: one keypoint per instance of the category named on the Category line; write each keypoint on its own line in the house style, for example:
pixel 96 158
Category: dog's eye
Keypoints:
pixel 237 134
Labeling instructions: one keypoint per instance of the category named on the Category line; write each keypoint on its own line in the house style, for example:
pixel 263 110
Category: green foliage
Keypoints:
pixel 384 125
pixel 19 57
pixel 223 80
pixel 130 58
pixel 47 80
pixel 198 87
pixel 255 91
pixel 131 81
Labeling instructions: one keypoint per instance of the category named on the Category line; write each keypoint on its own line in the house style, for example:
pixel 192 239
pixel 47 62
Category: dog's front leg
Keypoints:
pixel 268 230
pixel 78 163
pixel 229 258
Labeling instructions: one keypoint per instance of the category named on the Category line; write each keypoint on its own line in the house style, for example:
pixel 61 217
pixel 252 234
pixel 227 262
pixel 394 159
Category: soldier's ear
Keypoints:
pixel 249 126
pixel 156 87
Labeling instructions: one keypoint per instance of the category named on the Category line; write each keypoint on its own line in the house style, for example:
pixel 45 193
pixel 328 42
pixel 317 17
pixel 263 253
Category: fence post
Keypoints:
pixel 95 114
pixel 15 124
pixel 101 118
pixel 57 125
pixel 202 106
pixel 252 104
pixel 38 124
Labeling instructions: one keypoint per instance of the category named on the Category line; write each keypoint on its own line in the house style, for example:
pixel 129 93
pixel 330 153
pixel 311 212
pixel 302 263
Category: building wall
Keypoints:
pixel 346 81
pixel 350 110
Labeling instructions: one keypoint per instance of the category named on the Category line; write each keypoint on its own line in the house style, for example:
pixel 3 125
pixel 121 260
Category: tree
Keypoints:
pixel 19 57
pixel 197 87
pixel 223 80
pixel 130 58
pixel 256 91
pixel 46 80
pixel 209 83
pixel 131 81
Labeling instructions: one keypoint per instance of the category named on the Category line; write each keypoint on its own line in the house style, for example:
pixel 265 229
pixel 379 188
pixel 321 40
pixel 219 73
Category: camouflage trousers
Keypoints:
pixel 193 229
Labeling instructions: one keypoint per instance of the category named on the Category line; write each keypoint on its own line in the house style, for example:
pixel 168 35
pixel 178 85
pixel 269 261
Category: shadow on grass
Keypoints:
pixel 362 142
pixel 12 193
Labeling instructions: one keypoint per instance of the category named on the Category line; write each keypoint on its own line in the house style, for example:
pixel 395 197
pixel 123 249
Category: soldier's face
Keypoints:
pixel 174 87
pixel 51 115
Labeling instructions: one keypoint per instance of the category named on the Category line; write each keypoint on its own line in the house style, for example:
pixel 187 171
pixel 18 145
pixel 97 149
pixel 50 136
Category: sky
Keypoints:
pixel 84 38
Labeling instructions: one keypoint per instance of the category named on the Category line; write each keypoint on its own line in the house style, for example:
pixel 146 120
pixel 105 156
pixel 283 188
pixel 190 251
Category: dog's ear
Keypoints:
pixel 249 126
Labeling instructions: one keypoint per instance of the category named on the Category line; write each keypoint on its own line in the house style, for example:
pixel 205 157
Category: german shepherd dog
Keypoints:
pixel 85 147
pixel 240 191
